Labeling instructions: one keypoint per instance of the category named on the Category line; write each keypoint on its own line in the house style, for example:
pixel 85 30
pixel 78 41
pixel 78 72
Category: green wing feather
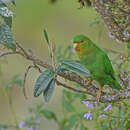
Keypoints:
pixel 108 67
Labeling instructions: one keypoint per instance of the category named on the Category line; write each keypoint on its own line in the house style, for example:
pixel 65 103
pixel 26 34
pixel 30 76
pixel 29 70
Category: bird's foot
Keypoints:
pixel 89 81
pixel 99 93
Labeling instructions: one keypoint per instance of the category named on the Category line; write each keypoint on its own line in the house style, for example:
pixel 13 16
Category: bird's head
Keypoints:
pixel 80 43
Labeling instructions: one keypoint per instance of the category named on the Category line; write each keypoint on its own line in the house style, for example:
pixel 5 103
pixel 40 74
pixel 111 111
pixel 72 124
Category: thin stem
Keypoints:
pixel 126 51
pixel 24 81
pixel 73 89
pixel 9 98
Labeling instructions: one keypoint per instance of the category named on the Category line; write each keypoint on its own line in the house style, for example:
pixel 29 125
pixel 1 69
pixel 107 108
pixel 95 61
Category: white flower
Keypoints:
pixel 5 12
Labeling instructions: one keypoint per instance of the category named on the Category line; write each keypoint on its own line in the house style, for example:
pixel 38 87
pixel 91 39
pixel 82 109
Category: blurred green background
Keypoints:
pixel 63 20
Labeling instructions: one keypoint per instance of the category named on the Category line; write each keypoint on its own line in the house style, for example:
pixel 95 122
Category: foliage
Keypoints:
pixel 77 108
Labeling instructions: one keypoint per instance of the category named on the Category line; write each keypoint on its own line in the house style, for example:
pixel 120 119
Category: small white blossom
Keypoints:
pixel 5 12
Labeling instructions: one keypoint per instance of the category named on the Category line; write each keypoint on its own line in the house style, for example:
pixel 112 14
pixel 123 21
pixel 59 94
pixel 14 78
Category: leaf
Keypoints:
pixel 13 2
pixel 7 1
pixel 42 82
pixel 75 67
pixel 6 14
pixel 82 127
pixel 48 92
pixel 79 95
pixel 48 114
pixel 46 36
pixel 63 123
pixel 8 21
pixel 16 80
pixel 127 125
pixel 128 45
pixel 68 94
pixel 6 37
pixel 2 4
pixel 3 127
pixel 71 122
pixel 67 105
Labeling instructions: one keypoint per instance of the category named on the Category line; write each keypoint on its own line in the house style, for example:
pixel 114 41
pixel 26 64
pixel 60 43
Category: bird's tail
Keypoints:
pixel 116 85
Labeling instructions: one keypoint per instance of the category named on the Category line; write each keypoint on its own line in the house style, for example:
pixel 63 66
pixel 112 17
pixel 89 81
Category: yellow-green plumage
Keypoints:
pixel 96 61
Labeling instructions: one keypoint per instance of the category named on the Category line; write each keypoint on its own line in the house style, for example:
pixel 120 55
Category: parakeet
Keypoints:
pixel 96 61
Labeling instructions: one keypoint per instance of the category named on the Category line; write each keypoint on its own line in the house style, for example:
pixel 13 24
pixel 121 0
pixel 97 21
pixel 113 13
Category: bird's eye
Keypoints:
pixel 82 41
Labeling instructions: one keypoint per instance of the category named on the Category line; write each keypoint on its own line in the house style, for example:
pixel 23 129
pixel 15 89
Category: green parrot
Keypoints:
pixel 96 61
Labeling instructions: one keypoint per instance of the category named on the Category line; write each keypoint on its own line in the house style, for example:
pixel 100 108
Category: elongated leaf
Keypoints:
pixel 76 67
pixel 46 36
pixel 71 121
pixel 7 1
pixel 82 127
pixel 68 105
pixel 128 45
pixel 2 4
pixel 13 2
pixel 3 127
pixel 48 114
pixel 6 37
pixel 49 90
pixel 42 82
pixel 8 21
pixel 6 14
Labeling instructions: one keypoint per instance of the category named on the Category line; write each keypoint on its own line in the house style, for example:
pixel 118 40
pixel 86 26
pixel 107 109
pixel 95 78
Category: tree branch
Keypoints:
pixel 108 12
pixel 89 89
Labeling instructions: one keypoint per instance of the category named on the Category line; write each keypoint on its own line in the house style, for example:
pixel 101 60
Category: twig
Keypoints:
pixel 24 81
pixel 9 98
pixel 8 53
pixel 22 49
pixel 25 76
pixel 118 96
pixel 73 89
pixel 115 28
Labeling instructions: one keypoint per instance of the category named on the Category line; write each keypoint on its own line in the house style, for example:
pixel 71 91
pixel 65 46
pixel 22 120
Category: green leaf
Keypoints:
pixel 2 4
pixel 127 125
pixel 6 37
pixel 8 21
pixel 48 114
pixel 68 106
pixel 6 14
pixel 79 95
pixel 46 35
pixel 43 81
pixel 2 127
pixel 63 123
pixel 68 94
pixel 71 122
pixel 14 81
pixel 48 92
pixel 82 127
pixel 128 45
pixel 75 66
pixel 13 2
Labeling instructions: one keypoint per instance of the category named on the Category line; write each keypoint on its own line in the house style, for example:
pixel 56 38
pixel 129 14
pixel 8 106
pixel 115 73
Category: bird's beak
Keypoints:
pixel 77 47
pixel 76 44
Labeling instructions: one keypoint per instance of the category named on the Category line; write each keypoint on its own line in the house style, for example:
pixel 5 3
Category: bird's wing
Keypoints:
pixel 108 66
